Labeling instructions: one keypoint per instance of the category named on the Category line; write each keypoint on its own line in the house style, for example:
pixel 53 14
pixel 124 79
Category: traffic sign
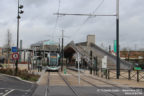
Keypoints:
pixel 14 49
pixel 15 56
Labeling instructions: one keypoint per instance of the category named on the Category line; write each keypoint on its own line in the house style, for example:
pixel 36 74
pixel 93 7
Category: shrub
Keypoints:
pixel 24 74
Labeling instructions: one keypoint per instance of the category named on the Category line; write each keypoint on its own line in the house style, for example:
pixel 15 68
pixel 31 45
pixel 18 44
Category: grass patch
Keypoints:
pixel 24 74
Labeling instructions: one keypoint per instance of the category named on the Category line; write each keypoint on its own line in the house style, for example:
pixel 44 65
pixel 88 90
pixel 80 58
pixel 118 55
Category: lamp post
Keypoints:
pixel 18 17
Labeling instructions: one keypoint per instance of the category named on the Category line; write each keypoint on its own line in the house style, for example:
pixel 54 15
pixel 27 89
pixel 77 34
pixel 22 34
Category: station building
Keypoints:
pixel 41 46
pixel 91 55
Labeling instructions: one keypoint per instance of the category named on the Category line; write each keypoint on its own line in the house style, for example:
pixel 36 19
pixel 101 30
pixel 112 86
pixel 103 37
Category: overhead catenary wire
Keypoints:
pixel 57 18
pixel 94 11
pixel 86 20
pixel 56 23
pixel 59 5
pixel 89 15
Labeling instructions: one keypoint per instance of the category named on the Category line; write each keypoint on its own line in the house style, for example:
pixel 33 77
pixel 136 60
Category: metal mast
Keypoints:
pixel 62 49
pixel 117 39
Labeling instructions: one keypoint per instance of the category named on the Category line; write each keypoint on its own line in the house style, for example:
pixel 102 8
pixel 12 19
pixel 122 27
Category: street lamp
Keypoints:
pixel 18 17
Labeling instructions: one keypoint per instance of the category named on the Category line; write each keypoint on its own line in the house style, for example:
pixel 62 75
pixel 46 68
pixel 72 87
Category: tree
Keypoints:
pixel 7 46
pixel 124 52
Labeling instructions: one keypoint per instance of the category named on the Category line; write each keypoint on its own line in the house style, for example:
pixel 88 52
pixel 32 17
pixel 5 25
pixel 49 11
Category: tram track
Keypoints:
pixel 97 87
pixel 69 85
pixel 100 80
pixel 114 85
pixel 74 90
pixel 64 80
pixel 48 84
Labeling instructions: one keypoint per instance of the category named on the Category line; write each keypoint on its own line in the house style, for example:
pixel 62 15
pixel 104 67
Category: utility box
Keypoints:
pixel 104 62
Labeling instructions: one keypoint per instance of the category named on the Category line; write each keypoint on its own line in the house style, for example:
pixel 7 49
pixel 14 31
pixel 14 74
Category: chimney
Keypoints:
pixel 90 39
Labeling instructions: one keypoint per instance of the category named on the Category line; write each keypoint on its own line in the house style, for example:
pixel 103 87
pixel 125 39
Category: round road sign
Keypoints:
pixel 15 56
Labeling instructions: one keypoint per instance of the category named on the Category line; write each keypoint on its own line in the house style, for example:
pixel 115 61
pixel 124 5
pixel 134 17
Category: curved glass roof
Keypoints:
pixel 45 42
pixel 50 42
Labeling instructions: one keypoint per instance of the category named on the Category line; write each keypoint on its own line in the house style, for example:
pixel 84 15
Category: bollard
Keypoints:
pixel 137 75
pixel 101 73
pixel 129 74
pixel 65 71
pixel 90 70
pixel 96 71
pixel 108 74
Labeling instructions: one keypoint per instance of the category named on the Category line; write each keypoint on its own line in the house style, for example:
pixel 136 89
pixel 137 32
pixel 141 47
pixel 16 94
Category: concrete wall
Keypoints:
pixel 100 53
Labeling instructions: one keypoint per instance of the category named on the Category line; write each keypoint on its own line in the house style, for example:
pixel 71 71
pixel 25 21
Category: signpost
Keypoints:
pixel 15 55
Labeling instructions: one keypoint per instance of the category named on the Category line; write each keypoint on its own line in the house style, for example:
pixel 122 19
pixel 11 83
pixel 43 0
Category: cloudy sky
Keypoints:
pixel 38 22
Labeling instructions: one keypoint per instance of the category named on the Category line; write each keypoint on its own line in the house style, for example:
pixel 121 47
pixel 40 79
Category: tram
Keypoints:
pixel 53 62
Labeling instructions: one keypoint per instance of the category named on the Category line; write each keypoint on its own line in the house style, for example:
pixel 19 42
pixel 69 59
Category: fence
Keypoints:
pixel 137 75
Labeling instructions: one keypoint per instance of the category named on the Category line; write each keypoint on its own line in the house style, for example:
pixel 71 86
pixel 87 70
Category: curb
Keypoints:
pixel 40 77
pixel 16 77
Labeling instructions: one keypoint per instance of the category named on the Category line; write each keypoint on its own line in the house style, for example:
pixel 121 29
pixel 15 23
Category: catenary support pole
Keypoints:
pixel 117 31
pixel 117 39
pixel 62 49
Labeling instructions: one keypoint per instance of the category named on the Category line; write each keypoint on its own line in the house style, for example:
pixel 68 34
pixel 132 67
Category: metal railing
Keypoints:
pixel 137 75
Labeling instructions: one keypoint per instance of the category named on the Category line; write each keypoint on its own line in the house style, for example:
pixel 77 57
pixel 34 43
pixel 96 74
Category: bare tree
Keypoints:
pixel 7 46
pixel 125 53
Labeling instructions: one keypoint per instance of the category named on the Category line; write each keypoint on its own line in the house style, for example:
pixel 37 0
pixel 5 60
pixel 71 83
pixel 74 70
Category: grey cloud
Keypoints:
pixel 3 23
pixel 35 2
pixel 39 21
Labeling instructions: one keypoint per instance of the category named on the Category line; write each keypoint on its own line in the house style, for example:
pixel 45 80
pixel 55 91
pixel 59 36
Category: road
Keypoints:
pixel 10 86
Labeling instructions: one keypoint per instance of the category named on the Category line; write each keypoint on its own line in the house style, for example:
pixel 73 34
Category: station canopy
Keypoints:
pixel 45 42
pixel 49 42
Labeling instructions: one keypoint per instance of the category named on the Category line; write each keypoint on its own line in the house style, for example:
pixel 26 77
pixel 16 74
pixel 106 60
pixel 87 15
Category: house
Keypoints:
pixel 133 56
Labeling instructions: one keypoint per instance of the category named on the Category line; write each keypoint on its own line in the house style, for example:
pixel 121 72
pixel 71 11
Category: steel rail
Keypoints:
pixel 94 85
pixel 68 84
pixel 47 88
pixel 101 80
